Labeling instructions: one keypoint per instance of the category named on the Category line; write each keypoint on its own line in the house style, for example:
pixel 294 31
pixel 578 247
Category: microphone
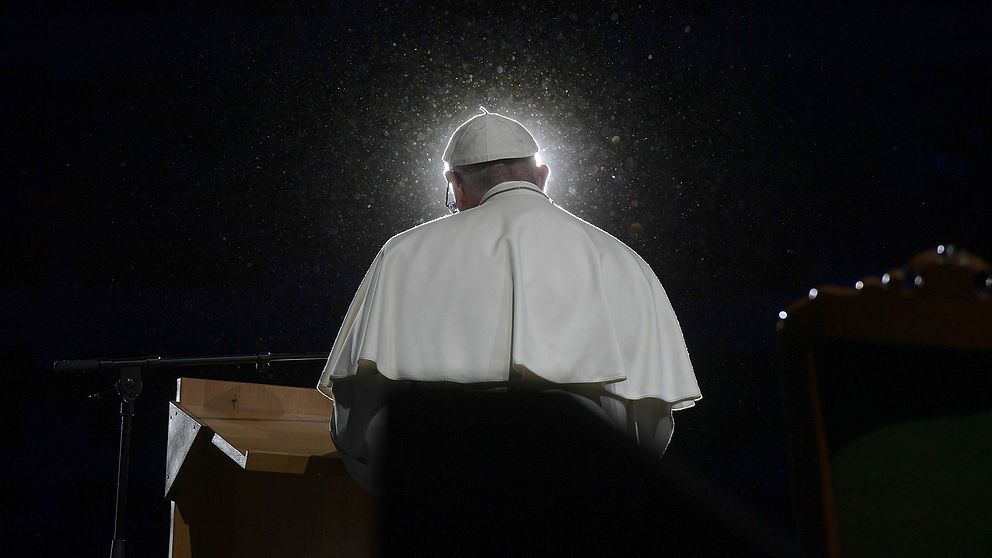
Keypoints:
pixel 91 365
pixel 76 365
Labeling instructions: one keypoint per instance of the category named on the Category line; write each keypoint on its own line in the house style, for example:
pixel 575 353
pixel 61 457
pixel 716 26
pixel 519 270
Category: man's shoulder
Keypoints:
pixel 423 229
pixel 604 239
pixel 441 230
pixel 420 233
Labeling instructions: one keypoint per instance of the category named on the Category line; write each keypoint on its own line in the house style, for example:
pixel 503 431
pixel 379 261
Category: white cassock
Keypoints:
pixel 516 284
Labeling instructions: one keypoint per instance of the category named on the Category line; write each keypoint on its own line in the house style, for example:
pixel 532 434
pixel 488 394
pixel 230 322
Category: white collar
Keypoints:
pixel 511 185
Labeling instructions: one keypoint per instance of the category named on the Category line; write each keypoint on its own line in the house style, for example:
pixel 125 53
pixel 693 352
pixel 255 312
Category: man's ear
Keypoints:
pixel 543 172
pixel 457 188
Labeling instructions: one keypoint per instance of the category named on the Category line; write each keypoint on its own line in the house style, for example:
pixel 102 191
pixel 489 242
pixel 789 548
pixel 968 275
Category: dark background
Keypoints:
pixel 193 180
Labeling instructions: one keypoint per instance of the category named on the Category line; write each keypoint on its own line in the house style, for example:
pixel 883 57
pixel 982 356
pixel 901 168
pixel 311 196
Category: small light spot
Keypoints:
pixel 941 249
pixel 886 278
pixel 813 293
pixel 650 56
pixel 616 140
pixel 783 315
pixel 918 281
pixel 859 285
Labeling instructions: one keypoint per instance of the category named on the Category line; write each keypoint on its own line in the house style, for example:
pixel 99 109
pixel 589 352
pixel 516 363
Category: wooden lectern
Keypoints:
pixel 251 471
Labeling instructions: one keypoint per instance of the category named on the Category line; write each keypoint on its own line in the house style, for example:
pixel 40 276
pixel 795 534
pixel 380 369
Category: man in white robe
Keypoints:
pixel 510 292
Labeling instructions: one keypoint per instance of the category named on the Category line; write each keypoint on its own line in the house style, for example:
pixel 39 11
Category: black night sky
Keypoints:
pixel 192 181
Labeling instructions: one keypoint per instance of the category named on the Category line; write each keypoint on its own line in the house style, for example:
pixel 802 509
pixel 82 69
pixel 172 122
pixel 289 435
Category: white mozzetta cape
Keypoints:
pixel 520 283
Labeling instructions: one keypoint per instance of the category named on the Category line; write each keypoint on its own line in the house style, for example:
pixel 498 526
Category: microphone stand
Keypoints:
pixel 128 387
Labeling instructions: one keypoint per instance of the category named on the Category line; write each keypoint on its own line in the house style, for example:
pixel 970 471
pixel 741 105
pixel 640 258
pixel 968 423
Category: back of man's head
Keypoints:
pixel 486 150
pixel 480 177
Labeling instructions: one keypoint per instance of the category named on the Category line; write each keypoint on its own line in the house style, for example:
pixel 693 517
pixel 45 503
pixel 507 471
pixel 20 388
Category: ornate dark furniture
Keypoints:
pixel 888 389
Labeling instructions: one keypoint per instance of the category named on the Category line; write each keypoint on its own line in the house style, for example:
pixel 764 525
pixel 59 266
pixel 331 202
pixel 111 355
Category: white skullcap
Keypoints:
pixel 488 137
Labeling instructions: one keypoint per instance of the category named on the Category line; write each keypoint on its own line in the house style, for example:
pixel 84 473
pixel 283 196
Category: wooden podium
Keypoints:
pixel 251 471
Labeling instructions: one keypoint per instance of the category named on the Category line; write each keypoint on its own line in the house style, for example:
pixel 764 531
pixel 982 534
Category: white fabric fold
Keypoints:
pixel 516 283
